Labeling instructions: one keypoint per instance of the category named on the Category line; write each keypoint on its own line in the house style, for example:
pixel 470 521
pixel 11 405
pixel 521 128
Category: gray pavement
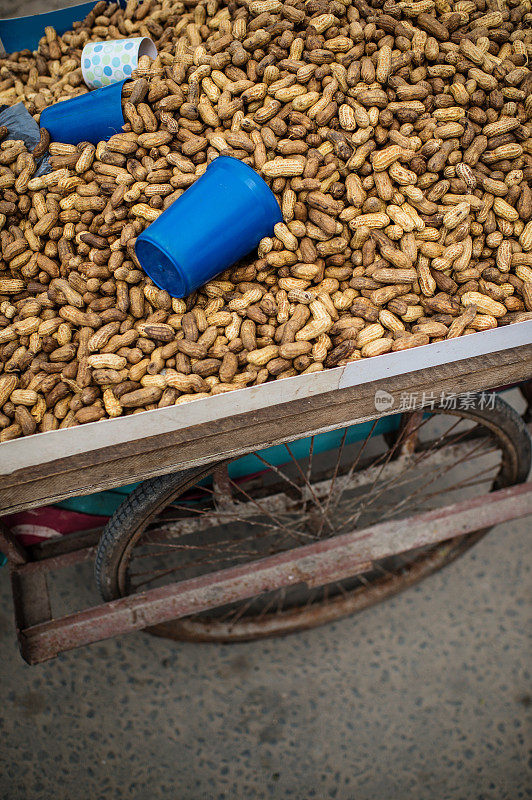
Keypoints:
pixel 425 696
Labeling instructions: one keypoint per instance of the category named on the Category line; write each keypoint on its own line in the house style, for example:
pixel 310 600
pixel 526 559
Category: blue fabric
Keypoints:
pixel 21 125
pixel 21 33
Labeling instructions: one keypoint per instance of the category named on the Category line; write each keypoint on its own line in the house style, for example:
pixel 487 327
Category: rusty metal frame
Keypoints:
pixel 41 637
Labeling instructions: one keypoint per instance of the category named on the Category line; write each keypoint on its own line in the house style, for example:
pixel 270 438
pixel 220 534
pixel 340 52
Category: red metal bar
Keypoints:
pixel 326 558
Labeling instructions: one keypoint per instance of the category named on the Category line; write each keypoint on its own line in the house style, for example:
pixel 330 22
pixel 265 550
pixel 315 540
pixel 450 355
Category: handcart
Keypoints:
pixel 273 508
pixel 278 507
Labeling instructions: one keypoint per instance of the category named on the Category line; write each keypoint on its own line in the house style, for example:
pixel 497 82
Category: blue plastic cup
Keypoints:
pixel 92 117
pixel 217 221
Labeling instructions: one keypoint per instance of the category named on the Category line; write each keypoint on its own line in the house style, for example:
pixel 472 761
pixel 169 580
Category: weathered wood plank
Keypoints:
pixel 108 467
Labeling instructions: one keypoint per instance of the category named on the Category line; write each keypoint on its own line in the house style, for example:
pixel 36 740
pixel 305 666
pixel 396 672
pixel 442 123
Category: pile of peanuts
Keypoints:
pixel 395 135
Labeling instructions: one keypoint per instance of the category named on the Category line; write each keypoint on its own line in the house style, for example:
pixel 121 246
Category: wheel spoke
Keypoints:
pixel 156 574
pixel 239 612
pixel 310 458
pixel 308 484
pixel 290 532
pixel 386 461
pixel 336 468
pixel 267 606
pixel 280 473
pixel 482 478
pixel 396 481
pixel 439 474
pixel 356 461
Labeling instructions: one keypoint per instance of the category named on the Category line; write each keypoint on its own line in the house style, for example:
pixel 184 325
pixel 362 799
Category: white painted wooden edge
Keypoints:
pixel 45 447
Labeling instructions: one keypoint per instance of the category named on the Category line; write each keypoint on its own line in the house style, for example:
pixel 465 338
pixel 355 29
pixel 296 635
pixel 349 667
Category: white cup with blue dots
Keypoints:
pixel 104 63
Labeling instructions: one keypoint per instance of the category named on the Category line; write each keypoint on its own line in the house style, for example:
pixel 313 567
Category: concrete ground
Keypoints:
pixel 425 696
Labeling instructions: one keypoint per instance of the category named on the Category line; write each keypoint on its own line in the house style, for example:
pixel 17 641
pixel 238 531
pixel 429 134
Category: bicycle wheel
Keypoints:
pixel 179 526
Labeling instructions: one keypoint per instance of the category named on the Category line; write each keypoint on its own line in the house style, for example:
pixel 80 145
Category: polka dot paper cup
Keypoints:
pixel 104 63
